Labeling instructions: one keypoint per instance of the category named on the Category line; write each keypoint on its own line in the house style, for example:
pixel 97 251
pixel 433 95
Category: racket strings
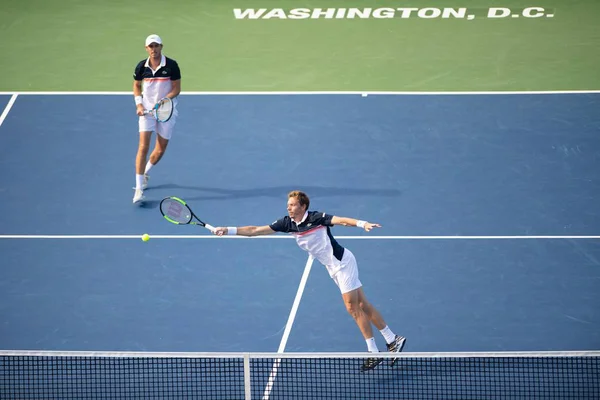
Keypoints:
pixel 164 111
pixel 176 211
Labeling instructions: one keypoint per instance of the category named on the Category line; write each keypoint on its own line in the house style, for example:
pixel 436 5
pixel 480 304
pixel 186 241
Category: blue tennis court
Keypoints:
pixel 464 167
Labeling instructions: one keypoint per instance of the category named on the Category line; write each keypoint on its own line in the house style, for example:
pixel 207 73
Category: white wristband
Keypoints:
pixel 231 230
pixel 360 224
pixel 138 100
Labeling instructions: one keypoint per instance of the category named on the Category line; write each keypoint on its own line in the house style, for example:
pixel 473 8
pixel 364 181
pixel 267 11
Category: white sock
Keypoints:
pixel 388 335
pixel 139 180
pixel 371 345
pixel 149 165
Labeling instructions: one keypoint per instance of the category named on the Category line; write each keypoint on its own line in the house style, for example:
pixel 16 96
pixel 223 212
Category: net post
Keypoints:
pixel 247 384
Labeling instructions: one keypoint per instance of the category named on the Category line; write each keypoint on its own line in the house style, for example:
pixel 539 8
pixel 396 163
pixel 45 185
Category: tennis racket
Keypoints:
pixel 176 211
pixel 162 111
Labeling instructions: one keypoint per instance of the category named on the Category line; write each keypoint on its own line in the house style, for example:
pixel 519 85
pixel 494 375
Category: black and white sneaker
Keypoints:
pixel 396 347
pixel 370 363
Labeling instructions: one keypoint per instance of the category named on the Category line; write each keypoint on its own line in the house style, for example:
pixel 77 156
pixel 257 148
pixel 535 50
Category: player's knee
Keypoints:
pixel 365 307
pixel 353 308
pixel 143 149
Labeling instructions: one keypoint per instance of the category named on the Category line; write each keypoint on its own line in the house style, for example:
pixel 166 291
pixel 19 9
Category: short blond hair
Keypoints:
pixel 301 196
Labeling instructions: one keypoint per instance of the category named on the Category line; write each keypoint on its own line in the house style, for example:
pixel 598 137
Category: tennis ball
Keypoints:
pixel 145 237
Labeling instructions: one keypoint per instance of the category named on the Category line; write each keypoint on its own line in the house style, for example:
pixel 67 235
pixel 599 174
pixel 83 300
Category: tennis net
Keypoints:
pixel 138 375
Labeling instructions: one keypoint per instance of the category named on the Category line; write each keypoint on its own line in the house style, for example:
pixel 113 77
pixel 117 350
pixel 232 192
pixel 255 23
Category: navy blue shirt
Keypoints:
pixel 313 234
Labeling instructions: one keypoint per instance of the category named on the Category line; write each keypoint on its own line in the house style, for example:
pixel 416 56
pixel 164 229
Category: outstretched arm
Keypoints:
pixel 367 226
pixel 244 230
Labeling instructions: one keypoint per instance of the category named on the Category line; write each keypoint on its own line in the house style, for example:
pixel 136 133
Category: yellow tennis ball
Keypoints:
pixel 145 237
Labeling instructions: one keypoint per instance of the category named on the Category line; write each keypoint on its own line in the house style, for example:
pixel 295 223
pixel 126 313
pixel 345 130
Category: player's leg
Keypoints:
pixel 140 162
pixel 394 343
pixel 159 150
pixel 142 152
pixel 350 287
pixel 374 315
pixel 164 132
pixel 350 280
pixel 351 301
pixel 352 293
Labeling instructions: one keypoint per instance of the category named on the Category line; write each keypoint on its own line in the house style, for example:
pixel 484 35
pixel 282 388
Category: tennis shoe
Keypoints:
pixel 396 347
pixel 370 363
pixel 144 183
pixel 138 196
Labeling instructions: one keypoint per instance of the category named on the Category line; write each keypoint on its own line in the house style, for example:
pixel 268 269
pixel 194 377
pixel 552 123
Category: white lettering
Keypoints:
pixel 276 13
pixel 405 12
pixel 248 13
pixel 451 12
pixel 493 12
pixel 299 13
pixel 429 13
pixel 533 12
pixel 340 13
pixel 386 13
pixel 318 12
pixel 383 13
pixel 357 12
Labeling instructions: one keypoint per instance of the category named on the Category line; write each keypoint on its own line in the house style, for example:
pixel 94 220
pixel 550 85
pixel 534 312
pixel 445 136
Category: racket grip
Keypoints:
pixel 210 227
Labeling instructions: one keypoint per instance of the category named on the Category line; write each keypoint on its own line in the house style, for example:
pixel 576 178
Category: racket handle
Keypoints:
pixel 210 227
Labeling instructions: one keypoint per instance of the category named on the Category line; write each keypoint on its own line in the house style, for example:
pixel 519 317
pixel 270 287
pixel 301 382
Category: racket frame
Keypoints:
pixel 192 215
pixel 154 110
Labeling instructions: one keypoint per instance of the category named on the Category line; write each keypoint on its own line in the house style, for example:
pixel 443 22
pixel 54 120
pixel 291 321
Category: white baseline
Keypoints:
pixel 213 237
pixel 316 92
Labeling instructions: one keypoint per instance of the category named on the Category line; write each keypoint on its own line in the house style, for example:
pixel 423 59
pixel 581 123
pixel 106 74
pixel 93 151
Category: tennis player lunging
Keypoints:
pixel 156 77
pixel 312 233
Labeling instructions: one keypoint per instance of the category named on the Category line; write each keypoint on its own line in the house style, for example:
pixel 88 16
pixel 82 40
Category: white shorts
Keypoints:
pixel 347 278
pixel 148 123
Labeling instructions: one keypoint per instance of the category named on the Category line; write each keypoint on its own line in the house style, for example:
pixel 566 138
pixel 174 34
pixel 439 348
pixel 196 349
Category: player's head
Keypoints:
pixel 154 45
pixel 298 203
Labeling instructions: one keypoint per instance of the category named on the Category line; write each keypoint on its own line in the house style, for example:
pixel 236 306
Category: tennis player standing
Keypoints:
pixel 155 78
pixel 312 233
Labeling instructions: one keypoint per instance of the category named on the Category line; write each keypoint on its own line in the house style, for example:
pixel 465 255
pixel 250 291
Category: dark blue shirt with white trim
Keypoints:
pixel 156 84
pixel 313 234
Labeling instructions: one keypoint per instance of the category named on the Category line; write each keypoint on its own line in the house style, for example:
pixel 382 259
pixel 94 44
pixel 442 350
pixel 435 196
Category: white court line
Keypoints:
pixel 12 100
pixel 288 327
pixel 316 92
pixel 290 322
pixel 294 355
pixel 425 237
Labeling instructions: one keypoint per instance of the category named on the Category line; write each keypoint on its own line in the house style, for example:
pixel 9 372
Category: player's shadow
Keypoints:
pixel 276 191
